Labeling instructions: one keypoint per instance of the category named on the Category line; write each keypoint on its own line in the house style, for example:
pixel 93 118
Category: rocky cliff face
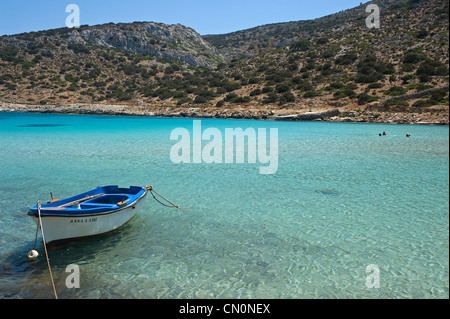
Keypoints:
pixel 171 42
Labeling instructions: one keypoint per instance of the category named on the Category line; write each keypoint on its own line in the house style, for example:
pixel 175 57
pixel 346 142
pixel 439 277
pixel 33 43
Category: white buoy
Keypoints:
pixel 32 254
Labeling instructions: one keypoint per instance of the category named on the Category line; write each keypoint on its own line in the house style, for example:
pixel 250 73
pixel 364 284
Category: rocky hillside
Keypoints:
pixel 332 61
pixel 170 42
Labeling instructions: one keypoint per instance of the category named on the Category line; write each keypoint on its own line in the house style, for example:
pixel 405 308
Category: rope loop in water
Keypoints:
pixel 153 192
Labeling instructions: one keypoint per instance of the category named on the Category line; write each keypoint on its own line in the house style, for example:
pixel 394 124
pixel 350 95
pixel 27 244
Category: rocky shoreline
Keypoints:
pixel 438 115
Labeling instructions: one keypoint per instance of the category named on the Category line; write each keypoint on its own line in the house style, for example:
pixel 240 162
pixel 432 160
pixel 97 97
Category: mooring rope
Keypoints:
pixel 35 237
pixel 45 248
pixel 153 192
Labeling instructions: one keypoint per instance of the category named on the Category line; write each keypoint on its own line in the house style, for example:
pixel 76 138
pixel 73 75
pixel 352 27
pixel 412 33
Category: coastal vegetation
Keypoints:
pixel 335 59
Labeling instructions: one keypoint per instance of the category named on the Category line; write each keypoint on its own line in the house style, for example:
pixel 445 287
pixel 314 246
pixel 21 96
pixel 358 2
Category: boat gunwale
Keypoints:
pixel 90 212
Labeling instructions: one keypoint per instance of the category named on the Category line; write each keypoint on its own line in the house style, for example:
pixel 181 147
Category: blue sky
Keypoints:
pixel 205 16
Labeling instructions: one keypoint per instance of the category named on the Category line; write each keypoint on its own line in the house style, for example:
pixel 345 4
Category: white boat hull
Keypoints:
pixel 62 229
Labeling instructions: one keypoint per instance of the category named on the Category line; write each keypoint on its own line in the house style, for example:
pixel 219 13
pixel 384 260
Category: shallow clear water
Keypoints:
pixel 343 198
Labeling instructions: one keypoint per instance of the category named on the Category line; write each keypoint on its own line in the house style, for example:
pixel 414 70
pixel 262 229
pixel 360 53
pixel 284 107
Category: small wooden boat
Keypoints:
pixel 89 214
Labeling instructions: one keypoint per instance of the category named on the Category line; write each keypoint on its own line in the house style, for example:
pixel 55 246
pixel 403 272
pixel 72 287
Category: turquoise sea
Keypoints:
pixel 343 198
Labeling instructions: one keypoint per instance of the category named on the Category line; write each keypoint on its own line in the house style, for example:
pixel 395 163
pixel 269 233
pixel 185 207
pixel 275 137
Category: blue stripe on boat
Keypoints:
pixel 106 200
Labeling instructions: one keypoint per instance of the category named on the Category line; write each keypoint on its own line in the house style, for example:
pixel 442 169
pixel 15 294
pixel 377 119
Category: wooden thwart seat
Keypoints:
pixel 75 202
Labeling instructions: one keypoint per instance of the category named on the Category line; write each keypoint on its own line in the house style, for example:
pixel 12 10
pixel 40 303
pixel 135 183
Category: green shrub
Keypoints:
pixel 424 78
pixel 310 94
pixel 230 97
pixel 255 92
pixel 375 85
pixel 253 80
pixel 73 87
pixel 396 91
pixel 301 45
pixel 10 54
pixel 241 99
pixel 232 86
pixel 371 70
pixel 437 97
pixel 422 87
pixel 363 98
pixel 234 98
pixel 27 64
pixel 78 48
pixel 221 90
pixel 287 97
pixel 396 103
pixel 346 59
pixel 200 100
pixel 124 96
pixel 421 34
pixel 11 86
pixel 281 88
pixel 430 68
pixel 423 103
pixel 267 89
pixel 272 97
pixel 413 56
pixel 346 91
pixel 321 41
pixel 128 69
pixel 408 77
pixel 305 85
pixel 184 100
